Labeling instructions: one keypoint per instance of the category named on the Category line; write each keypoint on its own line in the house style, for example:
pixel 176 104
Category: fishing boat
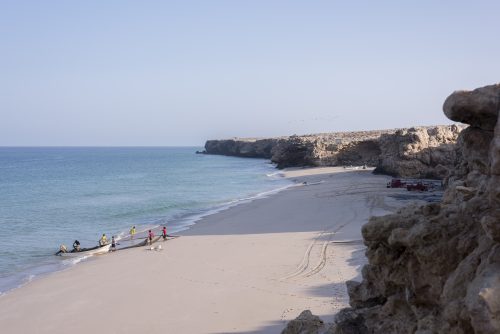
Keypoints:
pixel 86 251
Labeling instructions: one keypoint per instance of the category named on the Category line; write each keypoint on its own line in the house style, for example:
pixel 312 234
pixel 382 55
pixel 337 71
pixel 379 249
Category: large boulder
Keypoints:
pixel 305 323
pixel 427 152
pixel 479 107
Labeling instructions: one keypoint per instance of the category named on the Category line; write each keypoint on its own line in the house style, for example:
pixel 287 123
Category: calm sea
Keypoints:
pixel 52 196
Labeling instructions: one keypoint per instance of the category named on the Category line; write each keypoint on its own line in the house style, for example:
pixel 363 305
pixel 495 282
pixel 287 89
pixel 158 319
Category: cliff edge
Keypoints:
pixel 427 152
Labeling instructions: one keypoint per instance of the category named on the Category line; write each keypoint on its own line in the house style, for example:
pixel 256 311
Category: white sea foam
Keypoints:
pixel 121 235
pixel 276 174
pixel 73 261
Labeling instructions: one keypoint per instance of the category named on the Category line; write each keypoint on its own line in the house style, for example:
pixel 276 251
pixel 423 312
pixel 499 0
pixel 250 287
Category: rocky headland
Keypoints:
pixel 425 152
pixel 436 268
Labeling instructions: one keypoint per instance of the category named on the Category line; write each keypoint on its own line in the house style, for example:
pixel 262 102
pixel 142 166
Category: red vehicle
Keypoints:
pixel 396 183
pixel 419 186
pixel 416 184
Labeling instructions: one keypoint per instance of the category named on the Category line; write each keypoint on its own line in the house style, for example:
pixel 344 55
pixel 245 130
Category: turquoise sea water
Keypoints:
pixel 52 196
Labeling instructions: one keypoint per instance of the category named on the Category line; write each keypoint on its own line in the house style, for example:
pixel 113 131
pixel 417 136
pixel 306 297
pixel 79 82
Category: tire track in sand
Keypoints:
pixel 301 271
pixel 304 264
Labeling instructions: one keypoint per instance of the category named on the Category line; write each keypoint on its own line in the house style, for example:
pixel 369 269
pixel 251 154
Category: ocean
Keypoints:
pixel 52 196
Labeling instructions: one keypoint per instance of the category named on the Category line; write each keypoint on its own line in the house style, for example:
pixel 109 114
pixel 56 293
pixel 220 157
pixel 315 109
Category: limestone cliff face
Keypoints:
pixel 249 148
pixel 426 152
pixel 334 149
pixel 415 152
pixel 436 268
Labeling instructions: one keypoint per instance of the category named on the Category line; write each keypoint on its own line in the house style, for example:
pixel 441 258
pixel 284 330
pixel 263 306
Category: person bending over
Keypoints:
pixel 103 241
pixel 76 246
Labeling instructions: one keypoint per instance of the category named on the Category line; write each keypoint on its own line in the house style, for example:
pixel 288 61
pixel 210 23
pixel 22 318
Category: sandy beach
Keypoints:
pixel 248 269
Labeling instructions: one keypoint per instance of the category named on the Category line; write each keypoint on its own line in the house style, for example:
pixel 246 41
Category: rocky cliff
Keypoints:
pixel 414 152
pixel 248 148
pixel 436 268
pixel 424 152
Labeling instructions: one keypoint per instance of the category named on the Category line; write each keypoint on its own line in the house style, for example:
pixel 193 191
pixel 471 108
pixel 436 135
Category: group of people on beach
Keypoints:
pixel 103 241
pixel 132 233
pixel 151 235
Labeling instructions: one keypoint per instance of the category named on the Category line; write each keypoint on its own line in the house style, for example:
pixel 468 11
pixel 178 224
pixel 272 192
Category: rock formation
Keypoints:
pixel 436 268
pixel 248 148
pixel 416 152
pixel 335 149
pixel 424 152
pixel 305 323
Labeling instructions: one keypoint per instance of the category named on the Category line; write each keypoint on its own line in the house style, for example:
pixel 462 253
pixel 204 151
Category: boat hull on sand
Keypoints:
pixel 145 242
pixel 86 251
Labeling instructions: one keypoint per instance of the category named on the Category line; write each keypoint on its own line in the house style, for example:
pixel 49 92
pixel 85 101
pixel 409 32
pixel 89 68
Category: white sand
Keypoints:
pixel 248 269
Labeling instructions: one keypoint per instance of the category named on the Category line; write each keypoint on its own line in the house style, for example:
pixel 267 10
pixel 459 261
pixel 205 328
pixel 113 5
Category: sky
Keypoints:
pixel 172 73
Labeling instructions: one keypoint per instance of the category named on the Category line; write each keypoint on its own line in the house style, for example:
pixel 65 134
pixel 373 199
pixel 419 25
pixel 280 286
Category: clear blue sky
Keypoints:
pixel 180 72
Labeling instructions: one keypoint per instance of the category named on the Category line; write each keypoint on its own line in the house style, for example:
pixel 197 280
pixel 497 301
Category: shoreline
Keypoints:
pixel 181 223
pixel 260 263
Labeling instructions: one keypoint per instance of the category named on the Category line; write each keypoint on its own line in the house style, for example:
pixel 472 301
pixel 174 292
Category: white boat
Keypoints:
pixel 355 167
pixel 86 251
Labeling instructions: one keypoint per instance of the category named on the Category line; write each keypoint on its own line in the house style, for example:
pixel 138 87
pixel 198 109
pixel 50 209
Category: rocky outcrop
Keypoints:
pixel 415 152
pixel 335 149
pixel 248 148
pixel 331 149
pixel 477 108
pixel 425 152
pixel 305 323
pixel 436 268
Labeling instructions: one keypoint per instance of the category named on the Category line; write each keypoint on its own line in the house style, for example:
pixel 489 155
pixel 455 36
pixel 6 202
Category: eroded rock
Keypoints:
pixel 305 323
pixel 436 268
pixel 427 152
pixel 424 152
pixel 479 107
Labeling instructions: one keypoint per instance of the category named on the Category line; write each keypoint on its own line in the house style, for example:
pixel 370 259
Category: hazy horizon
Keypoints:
pixel 154 74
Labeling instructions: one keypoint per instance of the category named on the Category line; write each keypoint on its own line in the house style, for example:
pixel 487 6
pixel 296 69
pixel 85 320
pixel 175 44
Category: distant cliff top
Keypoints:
pixel 347 135
pixel 423 151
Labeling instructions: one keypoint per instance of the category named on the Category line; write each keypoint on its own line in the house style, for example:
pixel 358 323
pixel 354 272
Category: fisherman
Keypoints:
pixel 62 249
pixel 132 232
pixel 150 237
pixel 113 244
pixel 164 233
pixel 103 241
pixel 76 246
